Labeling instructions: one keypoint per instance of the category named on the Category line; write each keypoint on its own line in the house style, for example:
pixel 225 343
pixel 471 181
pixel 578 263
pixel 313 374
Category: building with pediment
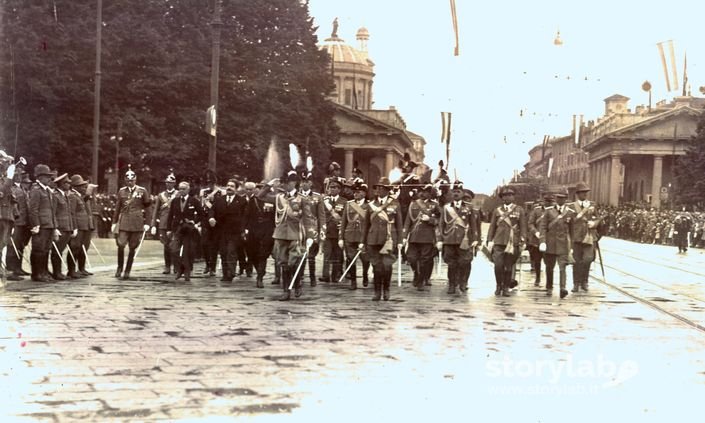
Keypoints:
pixel 375 139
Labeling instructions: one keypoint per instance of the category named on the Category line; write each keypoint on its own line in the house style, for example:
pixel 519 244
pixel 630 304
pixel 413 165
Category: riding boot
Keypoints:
pixel 312 271
pixel 365 270
pixel 277 275
pixel 128 266
pixel 285 279
pixel 452 279
pixel 167 261
pixel 385 287
pixel 377 281
pixel 299 285
pixel 120 261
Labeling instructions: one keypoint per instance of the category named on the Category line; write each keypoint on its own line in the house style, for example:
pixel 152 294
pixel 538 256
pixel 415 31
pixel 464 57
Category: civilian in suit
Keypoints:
pixel 129 221
pixel 259 227
pixel 184 224
pixel 42 222
pixel 226 218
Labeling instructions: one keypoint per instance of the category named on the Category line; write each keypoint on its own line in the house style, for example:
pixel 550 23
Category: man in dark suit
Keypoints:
pixel 184 223
pixel 259 227
pixel 226 219
pixel 42 222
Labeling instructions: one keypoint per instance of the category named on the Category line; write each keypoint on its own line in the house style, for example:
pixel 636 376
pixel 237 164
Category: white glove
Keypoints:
pixel 425 218
pixel 113 227
pixel 74 234
pixel 592 224
pixel 542 247
pixel 474 244
pixel 154 230
pixel 309 243
pixel 57 234
pixel 341 243
pixel 146 228
pixel 211 222
pixel 272 182
pixel 490 245
pixel 360 246
pixel 35 230
pixel 439 245
pixel 538 234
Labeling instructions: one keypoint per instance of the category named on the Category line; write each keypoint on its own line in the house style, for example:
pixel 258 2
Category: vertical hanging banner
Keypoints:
pixel 674 69
pixel 550 167
pixel 454 18
pixel 672 79
pixel 445 134
pixel 543 146
pixel 577 125
pixel 685 74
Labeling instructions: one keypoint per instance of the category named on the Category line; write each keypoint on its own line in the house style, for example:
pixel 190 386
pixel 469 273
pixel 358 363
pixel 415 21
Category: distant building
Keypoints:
pixel 375 139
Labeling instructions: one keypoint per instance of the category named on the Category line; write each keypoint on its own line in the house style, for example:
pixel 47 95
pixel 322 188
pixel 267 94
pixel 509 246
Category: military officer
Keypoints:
pixel 80 209
pixel 554 239
pixel 227 218
pixel 682 225
pixel 7 200
pixel 183 225
pixel 352 232
pixel 313 220
pixel 584 234
pixel 505 237
pixel 159 217
pixel 20 235
pixel 333 207
pixel 129 221
pixel 459 235
pixel 65 223
pixel 259 227
pixel 405 183
pixel 533 221
pixel 383 237
pixel 42 222
pixel 420 232
pixel 334 172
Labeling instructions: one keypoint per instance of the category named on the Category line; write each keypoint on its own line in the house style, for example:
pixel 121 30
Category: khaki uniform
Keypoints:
pixel 507 232
pixel 459 230
pixel 65 224
pixel 82 217
pixel 555 232
pixel 420 226
pixel 583 233
pixel 332 254
pixel 352 235
pixel 313 220
pixel 383 232
pixel 21 234
pixel 160 216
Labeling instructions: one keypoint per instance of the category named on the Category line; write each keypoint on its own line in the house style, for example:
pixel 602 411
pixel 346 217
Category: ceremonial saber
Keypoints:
pixel 85 253
pixel 350 265
pixel 439 269
pixel 309 242
pixel 599 255
pixel 57 252
pixel 399 266
pixel 137 251
pixel 14 246
pixel 75 262
pixel 97 251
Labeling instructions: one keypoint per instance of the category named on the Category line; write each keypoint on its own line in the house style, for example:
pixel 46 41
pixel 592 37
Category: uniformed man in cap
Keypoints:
pixel 313 221
pixel 65 223
pixel 420 232
pixel 506 236
pixel 383 237
pixel 81 211
pixel 584 234
pixel 129 221
pixel 20 234
pixel 533 222
pixel 333 207
pixel 7 200
pixel 406 183
pixel 42 222
pixel 183 224
pixel 334 174
pixel 554 239
pixel 459 236
pixel 159 218
pixel 682 225
pixel 259 227
pixel 352 229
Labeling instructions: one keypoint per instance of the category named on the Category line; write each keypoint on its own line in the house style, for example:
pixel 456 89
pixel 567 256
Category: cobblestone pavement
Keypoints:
pixel 156 349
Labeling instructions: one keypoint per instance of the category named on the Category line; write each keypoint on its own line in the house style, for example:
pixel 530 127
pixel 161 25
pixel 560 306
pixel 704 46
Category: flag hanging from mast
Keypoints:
pixel 454 17
pixel 672 79
pixel 445 134
pixel 685 74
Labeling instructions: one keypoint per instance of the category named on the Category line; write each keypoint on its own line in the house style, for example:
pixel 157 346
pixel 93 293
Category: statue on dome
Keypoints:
pixel 334 34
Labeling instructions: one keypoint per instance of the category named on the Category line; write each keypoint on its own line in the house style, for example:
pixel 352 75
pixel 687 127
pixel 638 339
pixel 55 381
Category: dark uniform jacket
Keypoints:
pixel 415 228
pixel 80 211
pixel 129 210
pixel 584 217
pixel 353 221
pixel 64 217
pixel 506 224
pixel 333 215
pixel 533 223
pixel 228 217
pixel 458 223
pixel 21 206
pixel 7 201
pixel 259 218
pixel 383 221
pixel 161 209
pixel 41 208
pixel 185 217
pixel 555 230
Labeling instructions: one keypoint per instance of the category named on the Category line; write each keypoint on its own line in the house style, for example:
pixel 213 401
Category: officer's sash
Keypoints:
pixel 360 212
pixel 504 217
pixel 417 220
pixel 379 212
pixel 331 210
pixel 557 218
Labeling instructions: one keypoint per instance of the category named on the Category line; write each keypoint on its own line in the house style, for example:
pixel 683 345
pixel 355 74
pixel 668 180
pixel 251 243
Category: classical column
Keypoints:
pixel 614 180
pixel 656 182
pixel 389 162
pixel 347 171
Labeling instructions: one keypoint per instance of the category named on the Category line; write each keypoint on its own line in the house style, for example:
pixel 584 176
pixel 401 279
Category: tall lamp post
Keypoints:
pixel 96 100
pixel 216 25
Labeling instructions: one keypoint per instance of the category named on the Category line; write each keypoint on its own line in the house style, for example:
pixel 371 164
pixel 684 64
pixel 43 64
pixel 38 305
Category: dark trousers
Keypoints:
pixel 459 264
pixel 551 260
pixel 381 264
pixel 242 257
pixel 209 242
pixel 20 237
pixel 350 252
pixel 258 248
pixel 332 260
pixel 182 249
pixel 288 255
pixel 79 245
pixel 504 264
pixel 56 257
pixel 166 241
pixel 420 258
pixel 39 258
pixel 584 255
pixel 229 244
pixel 312 253
pixel 535 255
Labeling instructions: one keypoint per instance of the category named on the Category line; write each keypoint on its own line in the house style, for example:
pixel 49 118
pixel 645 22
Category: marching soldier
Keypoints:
pixel 42 222
pixel 506 235
pixel 420 230
pixel 333 207
pixel 533 223
pixel 383 237
pixel 64 223
pixel 184 223
pixel 554 238
pixel 129 221
pixel 226 218
pixel 20 235
pixel 313 221
pixel 80 209
pixel 584 234
pixel 160 216
pixel 459 235
pixel 352 232
pixel 682 224
pixel 259 227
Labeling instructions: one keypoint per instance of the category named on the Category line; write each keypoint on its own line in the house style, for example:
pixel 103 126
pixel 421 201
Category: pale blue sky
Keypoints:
pixel 508 62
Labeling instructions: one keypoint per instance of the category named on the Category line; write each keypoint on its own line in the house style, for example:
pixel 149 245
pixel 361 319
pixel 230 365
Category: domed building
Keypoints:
pixel 374 139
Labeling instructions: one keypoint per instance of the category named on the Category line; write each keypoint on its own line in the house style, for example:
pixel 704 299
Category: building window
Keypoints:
pixel 348 97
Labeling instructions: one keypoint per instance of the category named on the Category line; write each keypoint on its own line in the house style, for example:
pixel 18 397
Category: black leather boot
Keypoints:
pixel 365 270
pixel 376 280
pixel 285 280
pixel 120 262
pixel 385 286
pixel 128 266
pixel 452 279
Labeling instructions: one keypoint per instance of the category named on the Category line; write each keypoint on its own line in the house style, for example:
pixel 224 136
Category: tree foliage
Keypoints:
pixel 690 170
pixel 155 79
